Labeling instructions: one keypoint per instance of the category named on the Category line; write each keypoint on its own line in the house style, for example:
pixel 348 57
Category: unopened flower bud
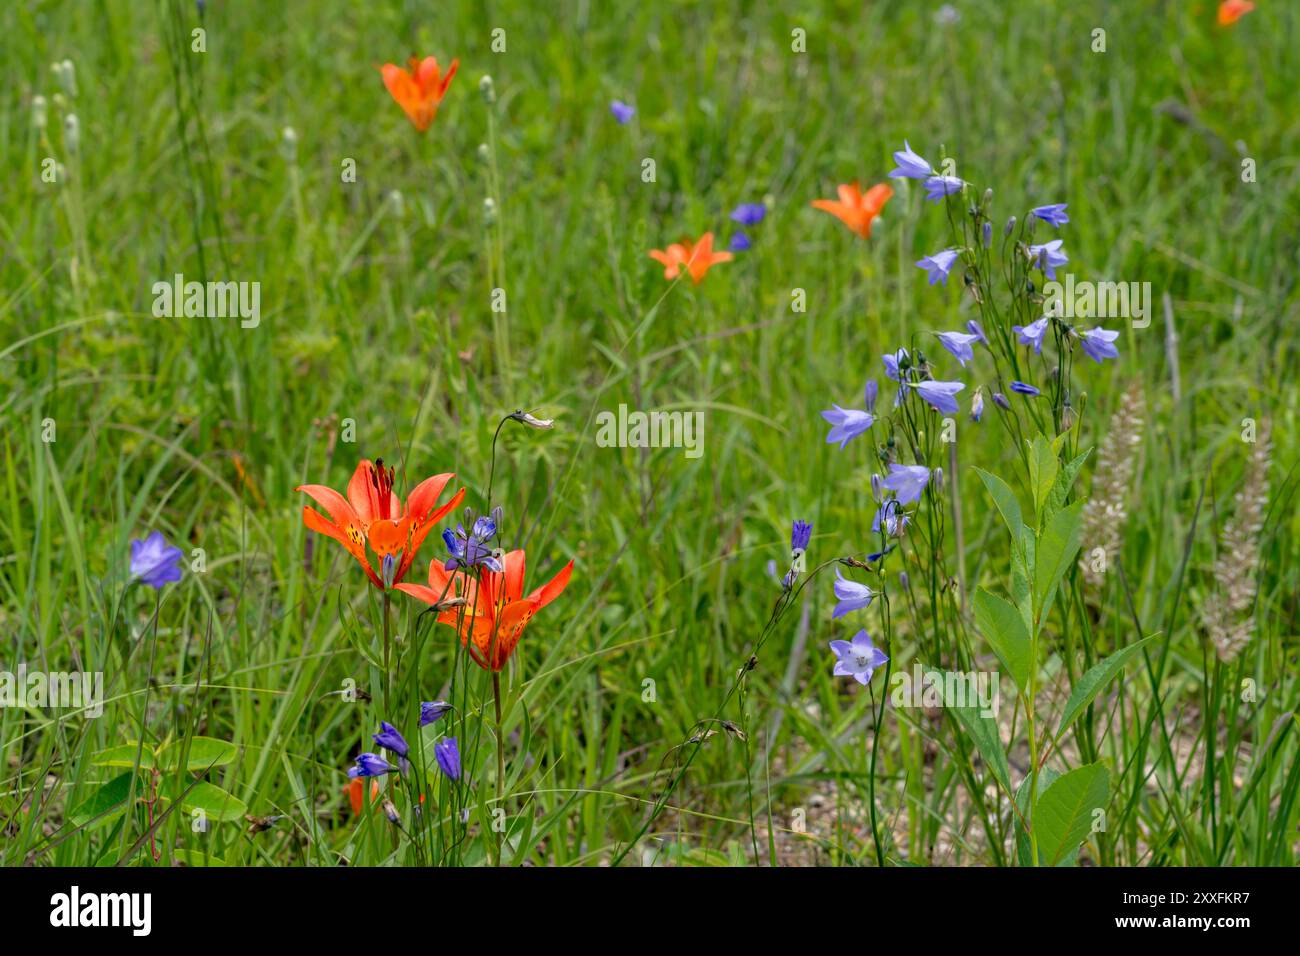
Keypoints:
pixel 527 419
pixel 72 133
pixel 487 89
pixel 489 211
pixel 289 144
pixel 67 77
pixel 390 811
pixel 39 108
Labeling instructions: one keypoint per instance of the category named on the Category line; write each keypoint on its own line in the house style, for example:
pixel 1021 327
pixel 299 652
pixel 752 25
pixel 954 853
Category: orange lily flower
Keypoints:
pixel 419 90
pixel 1230 11
pixel 857 209
pixel 356 791
pixel 495 612
pixel 698 257
pixel 372 513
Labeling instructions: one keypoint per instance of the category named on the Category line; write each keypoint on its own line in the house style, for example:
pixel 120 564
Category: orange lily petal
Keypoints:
pixel 876 197
pixel 1230 11
pixel 549 591
pixel 514 575
pixel 420 527
pixel 319 524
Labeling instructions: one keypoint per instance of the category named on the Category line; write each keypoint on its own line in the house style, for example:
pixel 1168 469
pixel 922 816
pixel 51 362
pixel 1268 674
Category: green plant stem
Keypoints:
pixel 387 662
pixel 501 753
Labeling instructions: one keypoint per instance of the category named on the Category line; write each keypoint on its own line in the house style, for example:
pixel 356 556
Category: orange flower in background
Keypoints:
pixel 495 612
pixel 419 90
pixel 857 209
pixel 698 257
pixel 1230 11
pixel 356 791
pixel 372 514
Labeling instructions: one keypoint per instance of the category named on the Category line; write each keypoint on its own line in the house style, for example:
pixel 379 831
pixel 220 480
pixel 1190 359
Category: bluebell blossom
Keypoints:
pixel 892 518
pixel 907 482
pixel 870 393
pixel 1000 401
pixel 473 549
pixel 857 658
pixel 853 596
pixel 1024 388
pixel 846 424
pixel 773 571
pixel 986 232
pixel 1032 334
pixel 938 265
pixel 390 739
pixel 749 213
pixel 977 405
pixel 910 165
pixel 1048 257
pixel 800 536
pixel 1054 214
pixel 1099 344
pixel 155 562
pixel 433 710
pixel 947 15
pixel 877 487
pixel 974 328
pixel 740 242
pixel 370 765
pixel 622 112
pixel 894 363
pixel 447 753
pixel 942 396
pixel 937 187
pixel 959 344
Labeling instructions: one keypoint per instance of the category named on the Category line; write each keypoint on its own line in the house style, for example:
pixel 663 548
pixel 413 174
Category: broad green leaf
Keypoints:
pixel 1004 629
pixel 984 731
pixel 124 756
pixel 1065 811
pixel 1045 778
pixel 204 752
pixel 1005 500
pixel 215 802
pixel 1054 554
pixel 1090 684
pixel 1022 592
pixel 1064 481
pixel 104 805
pixel 1043 466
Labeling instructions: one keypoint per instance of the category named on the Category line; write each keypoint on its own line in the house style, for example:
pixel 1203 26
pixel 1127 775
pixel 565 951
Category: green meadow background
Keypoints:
pixel 376 307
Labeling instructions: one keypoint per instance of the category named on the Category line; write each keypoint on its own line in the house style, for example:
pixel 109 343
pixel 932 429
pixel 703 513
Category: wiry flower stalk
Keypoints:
pixel 1229 615
pixel 1105 512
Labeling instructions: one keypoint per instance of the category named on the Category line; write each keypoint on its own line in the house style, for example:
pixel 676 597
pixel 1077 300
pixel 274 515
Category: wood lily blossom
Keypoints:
pixel 1230 11
pixel 698 257
pixel 855 208
pixel 419 90
pixel 372 514
pixel 495 611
